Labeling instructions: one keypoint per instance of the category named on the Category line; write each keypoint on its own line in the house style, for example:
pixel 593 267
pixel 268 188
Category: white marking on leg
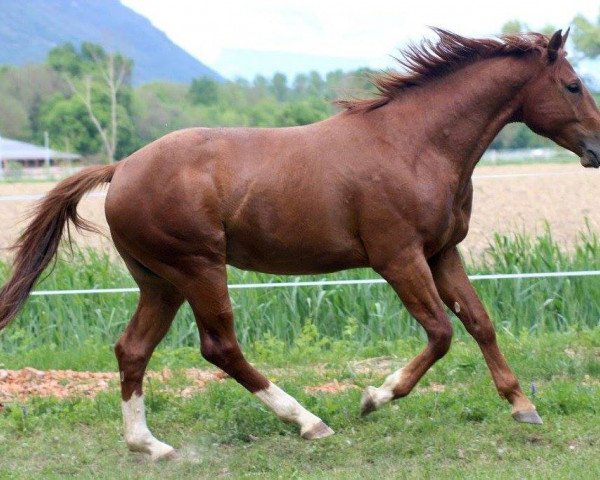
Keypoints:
pixel 385 393
pixel 456 307
pixel 137 435
pixel 287 408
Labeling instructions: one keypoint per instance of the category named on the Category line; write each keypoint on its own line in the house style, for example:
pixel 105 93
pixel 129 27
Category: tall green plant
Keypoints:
pixel 370 314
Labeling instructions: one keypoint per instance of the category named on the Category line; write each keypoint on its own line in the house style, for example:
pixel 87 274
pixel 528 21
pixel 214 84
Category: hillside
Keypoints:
pixel 30 28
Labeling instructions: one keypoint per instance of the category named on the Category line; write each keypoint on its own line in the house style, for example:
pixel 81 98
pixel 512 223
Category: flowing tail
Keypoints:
pixel 38 244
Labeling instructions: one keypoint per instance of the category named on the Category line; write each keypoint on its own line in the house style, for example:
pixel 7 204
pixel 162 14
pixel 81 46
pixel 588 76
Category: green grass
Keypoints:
pixel 463 432
pixel 369 314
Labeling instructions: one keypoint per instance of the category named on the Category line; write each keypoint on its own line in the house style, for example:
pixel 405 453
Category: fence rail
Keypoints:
pixel 321 283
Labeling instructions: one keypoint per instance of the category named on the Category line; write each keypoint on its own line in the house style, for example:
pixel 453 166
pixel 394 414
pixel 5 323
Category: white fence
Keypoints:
pixel 323 283
pixel 526 154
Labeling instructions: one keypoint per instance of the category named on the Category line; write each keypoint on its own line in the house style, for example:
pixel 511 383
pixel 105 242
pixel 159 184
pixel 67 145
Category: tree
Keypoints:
pixel 316 84
pixel 22 91
pixel 300 84
pixel 95 78
pixel 14 122
pixel 517 26
pixel 280 87
pixel 302 113
pixel 204 90
pixel 159 109
pixel 260 87
pixel 586 36
pixel 69 124
pixel 514 26
pixel 548 29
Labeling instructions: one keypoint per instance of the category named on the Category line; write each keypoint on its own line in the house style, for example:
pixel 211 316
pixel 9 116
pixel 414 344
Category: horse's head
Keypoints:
pixel 557 105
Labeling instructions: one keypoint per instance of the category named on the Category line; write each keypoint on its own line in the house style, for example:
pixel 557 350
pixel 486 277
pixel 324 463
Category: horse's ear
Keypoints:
pixel 554 45
pixel 564 37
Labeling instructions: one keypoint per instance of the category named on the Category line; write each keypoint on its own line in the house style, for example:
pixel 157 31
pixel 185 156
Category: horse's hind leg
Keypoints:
pixel 209 299
pixel 158 304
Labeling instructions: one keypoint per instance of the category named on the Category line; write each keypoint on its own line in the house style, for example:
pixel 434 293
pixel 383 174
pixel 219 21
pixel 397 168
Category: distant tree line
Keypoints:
pixel 84 98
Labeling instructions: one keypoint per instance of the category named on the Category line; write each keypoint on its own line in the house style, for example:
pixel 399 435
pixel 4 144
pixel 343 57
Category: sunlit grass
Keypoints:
pixel 463 430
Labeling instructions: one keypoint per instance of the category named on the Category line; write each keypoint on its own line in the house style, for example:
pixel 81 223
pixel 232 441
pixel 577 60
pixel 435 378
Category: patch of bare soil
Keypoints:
pixel 330 387
pixel 15 212
pixel 377 365
pixel 523 197
pixel 29 382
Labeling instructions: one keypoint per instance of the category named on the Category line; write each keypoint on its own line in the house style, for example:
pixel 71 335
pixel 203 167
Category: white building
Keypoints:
pixel 31 156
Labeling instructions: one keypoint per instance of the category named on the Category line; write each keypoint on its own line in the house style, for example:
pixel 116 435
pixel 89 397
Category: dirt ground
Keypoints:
pixel 30 382
pixel 507 199
pixel 522 198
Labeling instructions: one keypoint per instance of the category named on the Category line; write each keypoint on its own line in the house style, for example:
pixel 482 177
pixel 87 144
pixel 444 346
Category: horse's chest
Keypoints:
pixel 449 224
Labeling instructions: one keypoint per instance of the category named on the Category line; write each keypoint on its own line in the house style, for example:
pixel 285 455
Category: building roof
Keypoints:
pixel 16 150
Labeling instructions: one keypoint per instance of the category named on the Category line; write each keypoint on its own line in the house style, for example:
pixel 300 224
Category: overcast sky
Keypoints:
pixel 369 30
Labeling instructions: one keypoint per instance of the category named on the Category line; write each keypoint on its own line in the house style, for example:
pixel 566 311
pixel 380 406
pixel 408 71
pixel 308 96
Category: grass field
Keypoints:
pixel 453 426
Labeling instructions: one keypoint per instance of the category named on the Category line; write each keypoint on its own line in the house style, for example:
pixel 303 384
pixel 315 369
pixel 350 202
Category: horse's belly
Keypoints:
pixel 295 255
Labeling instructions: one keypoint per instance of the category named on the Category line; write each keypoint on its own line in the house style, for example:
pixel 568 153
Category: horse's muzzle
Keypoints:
pixel 591 154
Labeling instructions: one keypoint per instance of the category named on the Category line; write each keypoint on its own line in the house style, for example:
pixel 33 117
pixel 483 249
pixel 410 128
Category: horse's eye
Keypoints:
pixel 573 87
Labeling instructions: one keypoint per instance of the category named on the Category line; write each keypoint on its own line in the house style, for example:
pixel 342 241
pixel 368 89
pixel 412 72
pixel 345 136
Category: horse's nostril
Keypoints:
pixel 593 158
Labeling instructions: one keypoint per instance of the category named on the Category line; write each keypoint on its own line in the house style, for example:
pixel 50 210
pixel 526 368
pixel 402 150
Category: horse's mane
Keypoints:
pixel 430 59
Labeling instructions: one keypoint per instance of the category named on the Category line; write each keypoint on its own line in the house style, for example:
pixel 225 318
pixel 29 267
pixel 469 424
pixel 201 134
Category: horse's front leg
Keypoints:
pixel 410 276
pixel 458 294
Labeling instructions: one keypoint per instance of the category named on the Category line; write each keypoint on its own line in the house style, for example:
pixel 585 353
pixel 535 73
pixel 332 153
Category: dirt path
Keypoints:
pixel 507 199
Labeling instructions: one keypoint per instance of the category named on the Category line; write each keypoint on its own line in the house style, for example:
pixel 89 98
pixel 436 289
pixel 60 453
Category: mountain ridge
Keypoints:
pixel 31 28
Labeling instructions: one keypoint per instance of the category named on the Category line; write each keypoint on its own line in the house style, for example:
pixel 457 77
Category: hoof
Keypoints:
pixel 367 402
pixel 528 416
pixel 157 451
pixel 167 455
pixel 320 430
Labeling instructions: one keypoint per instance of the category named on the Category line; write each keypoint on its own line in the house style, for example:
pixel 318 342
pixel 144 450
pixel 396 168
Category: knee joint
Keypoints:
pixel 440 339
pixel 219 353
pixel 483 333
pixel 130 357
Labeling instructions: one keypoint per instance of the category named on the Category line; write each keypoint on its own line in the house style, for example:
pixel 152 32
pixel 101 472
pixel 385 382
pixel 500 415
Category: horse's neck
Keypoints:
pixel 465 110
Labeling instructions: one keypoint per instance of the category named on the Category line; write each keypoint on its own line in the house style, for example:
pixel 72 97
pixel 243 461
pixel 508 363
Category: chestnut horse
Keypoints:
pixel 386 184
